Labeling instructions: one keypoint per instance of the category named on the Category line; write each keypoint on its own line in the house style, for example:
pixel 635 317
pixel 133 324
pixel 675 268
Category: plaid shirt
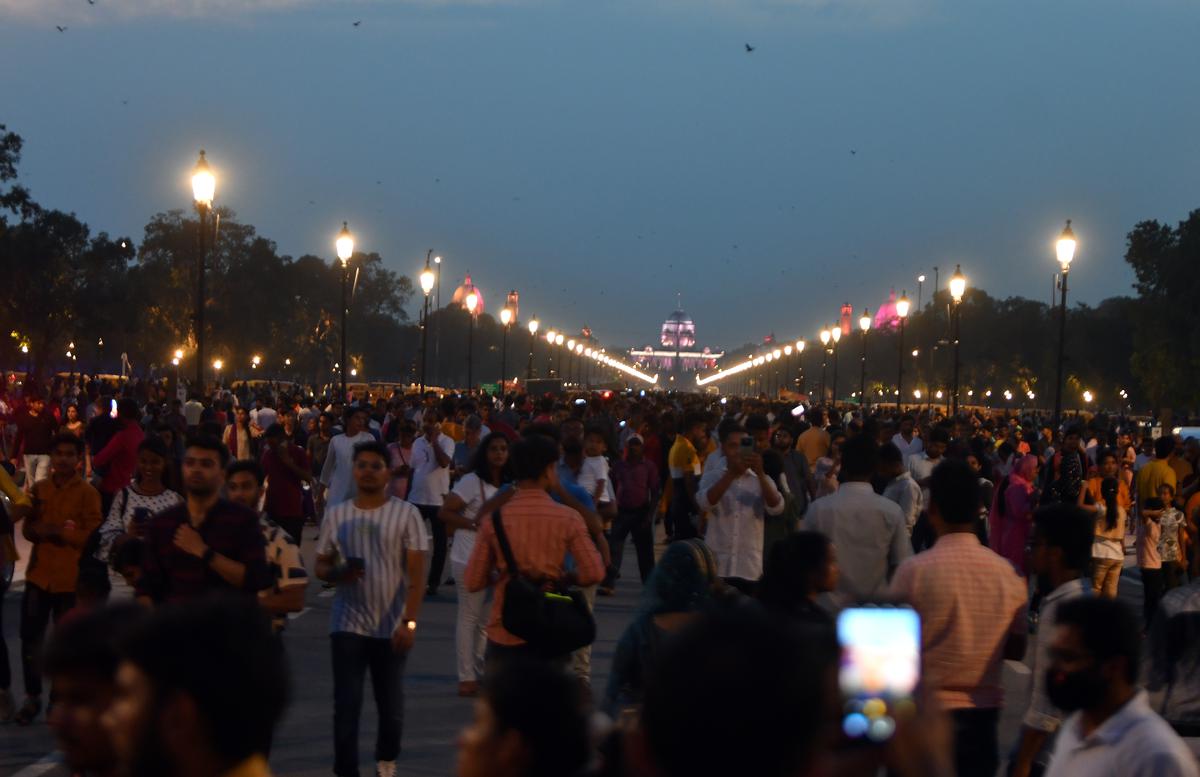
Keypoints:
pixel 970 600
pixel 231 530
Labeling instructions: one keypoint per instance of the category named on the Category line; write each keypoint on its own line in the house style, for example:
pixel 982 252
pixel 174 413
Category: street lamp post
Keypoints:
pixel 550 336
pixel 835 334
pixel 533 327
pixel 472 302
pixel 426 287
pixel 204 186
pixel 902 306
pixel 958 287
pixel 437 335
pixel 506 317
pixel 1066 252
pixel 920 284
pixel 800 365
pixel 864 325
pixel 570 360
pixel 825 337
pixel 345 249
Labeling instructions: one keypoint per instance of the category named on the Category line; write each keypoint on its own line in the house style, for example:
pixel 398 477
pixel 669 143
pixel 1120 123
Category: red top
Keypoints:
pixel 285 489
pixel 119 456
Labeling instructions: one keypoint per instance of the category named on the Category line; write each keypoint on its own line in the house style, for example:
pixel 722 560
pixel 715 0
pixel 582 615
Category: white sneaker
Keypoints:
pixel 385 769
pixel 8 707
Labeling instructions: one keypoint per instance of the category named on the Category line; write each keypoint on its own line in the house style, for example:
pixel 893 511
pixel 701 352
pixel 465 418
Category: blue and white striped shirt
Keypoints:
pixel 381 537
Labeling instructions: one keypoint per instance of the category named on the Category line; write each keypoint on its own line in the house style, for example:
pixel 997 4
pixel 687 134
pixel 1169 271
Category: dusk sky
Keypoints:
pixel 602 156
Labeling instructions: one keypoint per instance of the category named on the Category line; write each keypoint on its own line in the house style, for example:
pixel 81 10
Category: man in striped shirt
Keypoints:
pixel 372 547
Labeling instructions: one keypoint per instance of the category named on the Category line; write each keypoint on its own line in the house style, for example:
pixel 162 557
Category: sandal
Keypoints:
pixel 28 712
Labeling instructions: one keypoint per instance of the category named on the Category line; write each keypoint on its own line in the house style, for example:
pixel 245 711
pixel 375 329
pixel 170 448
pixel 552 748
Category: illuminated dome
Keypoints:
pixel 460 295
pixel 886 317
pixel 678 331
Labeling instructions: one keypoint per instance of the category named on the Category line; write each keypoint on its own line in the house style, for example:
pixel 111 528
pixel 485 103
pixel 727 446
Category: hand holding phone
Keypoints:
pixel 879 668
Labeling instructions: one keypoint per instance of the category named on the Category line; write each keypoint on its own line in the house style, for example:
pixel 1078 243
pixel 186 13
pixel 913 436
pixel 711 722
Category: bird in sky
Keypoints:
pixel 853 151
pixel 357 23
pixel 749 48
pixel 91 2
pixel 60 28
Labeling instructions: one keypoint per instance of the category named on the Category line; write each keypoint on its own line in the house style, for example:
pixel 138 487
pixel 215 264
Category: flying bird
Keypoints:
pixel 358 22
pixel 91 2
pixel 60 28
pixel 749 48
pixel 853 151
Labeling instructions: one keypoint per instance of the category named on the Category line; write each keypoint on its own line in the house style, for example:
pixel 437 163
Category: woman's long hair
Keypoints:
pixel 481 467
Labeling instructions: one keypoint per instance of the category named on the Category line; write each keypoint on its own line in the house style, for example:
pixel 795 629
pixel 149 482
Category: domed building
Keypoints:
pixel 460 295
pixel 677 352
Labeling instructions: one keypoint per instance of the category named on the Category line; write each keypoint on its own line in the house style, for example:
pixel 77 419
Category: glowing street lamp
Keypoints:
pixel 958 287
pixel 217 365
pixel 427 279
pixel 506 318
pixel 902 309
pixel 204 189
pixel 471 302
pixel 255 360
pixel 1065 249
pixel 345 249
pixel 864 325
pixel 835 334
pixel 533 327
pixel 825 337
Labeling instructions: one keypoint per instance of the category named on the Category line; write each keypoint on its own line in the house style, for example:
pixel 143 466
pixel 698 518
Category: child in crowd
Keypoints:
pixel 593 475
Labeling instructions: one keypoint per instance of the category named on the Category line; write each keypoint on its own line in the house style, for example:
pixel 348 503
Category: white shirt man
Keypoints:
pixel 737 500
pixel 869 533
pixel 905 492
pixel 908 446
pixel 338 473
pixel 1133 742
pixel 431 481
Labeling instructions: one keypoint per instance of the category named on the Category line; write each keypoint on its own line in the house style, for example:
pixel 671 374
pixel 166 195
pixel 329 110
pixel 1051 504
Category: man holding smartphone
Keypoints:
pixel 738 495
pixel 373 548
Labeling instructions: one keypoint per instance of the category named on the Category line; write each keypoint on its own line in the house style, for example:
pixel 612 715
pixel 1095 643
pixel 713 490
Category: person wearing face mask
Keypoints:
pixel 1094 654
pixel 1062 547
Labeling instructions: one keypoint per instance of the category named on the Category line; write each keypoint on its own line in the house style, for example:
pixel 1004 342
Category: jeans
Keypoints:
pixel 353 655
pixel 640 524
pixel 37 467
pixel 581 659
pixel 976 751
pixel 1152 591
pixel 470 635
pixel 1106 573
pixel 437 527
pixel 37 606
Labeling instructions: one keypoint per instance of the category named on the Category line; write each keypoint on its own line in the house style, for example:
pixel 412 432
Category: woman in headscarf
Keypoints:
pixel 1012 512
pixel 683 584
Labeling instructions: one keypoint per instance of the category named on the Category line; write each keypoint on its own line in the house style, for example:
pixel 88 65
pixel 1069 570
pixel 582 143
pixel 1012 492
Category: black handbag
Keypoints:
pixel 554 623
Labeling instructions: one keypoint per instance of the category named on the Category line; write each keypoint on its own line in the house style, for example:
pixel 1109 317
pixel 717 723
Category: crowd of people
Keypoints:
pixel 166 547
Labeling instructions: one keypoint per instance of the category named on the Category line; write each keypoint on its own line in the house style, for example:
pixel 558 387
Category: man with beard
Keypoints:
pixel 1062 548
pixel 81 665
pixel 207 543
pixel 1094 658
pixel 199 690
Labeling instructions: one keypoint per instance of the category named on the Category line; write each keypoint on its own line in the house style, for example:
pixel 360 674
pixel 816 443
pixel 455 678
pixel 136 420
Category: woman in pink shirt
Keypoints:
pixel 1012 513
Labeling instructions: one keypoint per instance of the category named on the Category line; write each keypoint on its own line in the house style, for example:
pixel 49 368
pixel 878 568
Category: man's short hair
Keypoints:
pixel 66 438
pixel 1163 447
pixel 216 649
pixel 727 428
pixel 532 455
pixel 543 704
pixel 207 442
pixel 691 420
pixel 542 429
pixel 757 423
pixel 771 672
pixel 1069 528
pixel 275 430
pixel 1108 628
pixel 939 434
pixel 860 456
pixel 954 488
pixel 127 407
pixel 90 643
pixel 889 453
pixel 371 446
pixel 246 465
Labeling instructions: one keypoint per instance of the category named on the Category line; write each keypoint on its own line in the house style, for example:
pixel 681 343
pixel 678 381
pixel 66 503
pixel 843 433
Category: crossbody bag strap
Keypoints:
pixel 505 548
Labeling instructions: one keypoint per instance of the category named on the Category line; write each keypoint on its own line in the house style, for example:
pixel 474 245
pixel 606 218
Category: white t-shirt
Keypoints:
pixel 338 473
pixel 594 470
pixel 431 482
pixel 129 505
pixel 381 537
pixel 908 448
pixel 468 489
pixel 264 417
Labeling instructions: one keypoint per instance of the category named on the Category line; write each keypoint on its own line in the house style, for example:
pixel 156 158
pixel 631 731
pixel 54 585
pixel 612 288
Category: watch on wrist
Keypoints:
pixel 208 555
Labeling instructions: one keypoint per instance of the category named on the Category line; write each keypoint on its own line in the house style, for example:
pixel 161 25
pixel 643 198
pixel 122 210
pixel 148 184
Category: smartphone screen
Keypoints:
pixel 879 669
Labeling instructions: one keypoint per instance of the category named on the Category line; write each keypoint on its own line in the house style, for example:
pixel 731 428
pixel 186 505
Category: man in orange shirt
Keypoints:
pixel 66 511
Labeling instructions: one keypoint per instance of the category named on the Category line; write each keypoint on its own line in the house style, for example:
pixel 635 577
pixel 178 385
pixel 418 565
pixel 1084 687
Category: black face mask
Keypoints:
pixel 1071 691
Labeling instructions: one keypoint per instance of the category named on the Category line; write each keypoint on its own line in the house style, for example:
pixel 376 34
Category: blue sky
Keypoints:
pixel 602 156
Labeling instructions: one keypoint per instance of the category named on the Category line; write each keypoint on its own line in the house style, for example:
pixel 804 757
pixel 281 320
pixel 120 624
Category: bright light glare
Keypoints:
pixel 1065 247
pixel 345 244
pixel 204 183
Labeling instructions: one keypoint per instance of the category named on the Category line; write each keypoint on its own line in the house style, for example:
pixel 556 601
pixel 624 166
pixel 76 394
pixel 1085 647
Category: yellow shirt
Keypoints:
pixel 683 458
pixel 1151 477
pixel 813 443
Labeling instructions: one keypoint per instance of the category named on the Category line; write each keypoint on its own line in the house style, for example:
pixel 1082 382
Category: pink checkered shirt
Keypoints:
pixel 969 600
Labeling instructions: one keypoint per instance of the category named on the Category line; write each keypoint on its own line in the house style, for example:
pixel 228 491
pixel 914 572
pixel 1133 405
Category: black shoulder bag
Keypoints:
pixel 553 623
